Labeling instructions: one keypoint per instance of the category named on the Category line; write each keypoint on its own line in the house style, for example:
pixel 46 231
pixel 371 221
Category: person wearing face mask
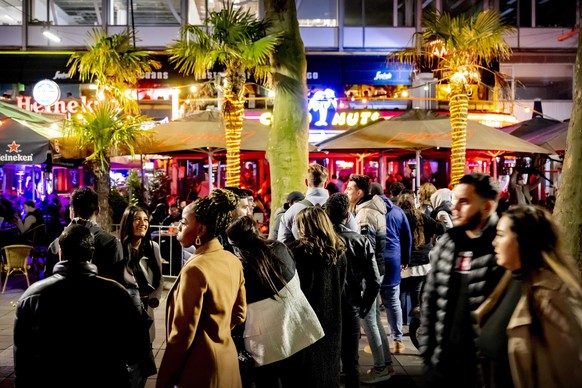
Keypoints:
pixel 142 276
pixel 531 324
pixel 464 273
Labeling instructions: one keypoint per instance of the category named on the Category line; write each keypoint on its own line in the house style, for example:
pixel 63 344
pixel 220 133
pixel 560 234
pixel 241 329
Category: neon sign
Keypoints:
pixel 381 76
pixel 322 102
pixel 59 107
pixel 340 119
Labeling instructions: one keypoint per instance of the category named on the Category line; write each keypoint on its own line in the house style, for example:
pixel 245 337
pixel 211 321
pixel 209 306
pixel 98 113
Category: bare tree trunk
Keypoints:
pixel 103 188
pixel 287 149
pixel 568 210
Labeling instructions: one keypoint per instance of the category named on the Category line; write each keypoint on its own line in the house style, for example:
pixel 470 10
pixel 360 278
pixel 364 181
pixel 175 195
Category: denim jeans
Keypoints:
pixel 410 287
pixel 391 301
pixel 377 338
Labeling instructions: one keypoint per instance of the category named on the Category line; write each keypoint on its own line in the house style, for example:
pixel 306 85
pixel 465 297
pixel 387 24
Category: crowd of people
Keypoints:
pixel 500 305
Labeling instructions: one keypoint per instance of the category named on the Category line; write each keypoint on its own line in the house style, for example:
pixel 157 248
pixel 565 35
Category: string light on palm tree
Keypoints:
pixel 236 40
pixel 458 48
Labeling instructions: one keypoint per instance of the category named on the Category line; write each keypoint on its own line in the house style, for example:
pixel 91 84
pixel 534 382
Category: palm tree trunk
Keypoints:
pixel 233 110
pixel 103 188
pixel 459 108
pixel 568 210
pixel 287 150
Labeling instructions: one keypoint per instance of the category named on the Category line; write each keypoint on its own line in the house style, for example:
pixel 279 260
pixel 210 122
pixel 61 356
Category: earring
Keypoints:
pixel 197 242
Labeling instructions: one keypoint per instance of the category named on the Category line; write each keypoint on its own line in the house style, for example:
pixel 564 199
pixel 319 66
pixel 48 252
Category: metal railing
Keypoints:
pixel 171 251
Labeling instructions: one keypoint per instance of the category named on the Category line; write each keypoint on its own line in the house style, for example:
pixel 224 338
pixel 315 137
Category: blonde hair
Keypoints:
pixel 316 175
pixel 425 191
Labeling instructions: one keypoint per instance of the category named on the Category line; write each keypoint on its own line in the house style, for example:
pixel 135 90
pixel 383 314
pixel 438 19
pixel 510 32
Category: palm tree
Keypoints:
pixel 102 132
pixel 236 40
pixel 114 65
pixel 459 48
pixel 112 126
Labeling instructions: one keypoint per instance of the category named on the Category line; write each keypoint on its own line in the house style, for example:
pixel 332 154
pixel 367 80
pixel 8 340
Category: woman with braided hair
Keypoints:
pixel 205 303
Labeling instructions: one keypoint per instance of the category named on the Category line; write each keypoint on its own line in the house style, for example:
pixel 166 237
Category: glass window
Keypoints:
pixel 145 12
pixel 524 13
pixel 469 7
pixel 544 88
pixel 198 10
pixel 353 13
pixel 67 13
pixel 10 13
pixel 406 11
pixel 508 10
pixel 322 13
pixel 379 13
pixel 555 13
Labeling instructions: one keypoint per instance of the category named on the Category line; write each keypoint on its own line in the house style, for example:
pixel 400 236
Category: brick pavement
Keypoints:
pixel 407 366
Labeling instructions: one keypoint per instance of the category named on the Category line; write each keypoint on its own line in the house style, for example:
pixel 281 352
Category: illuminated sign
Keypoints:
pixel 9 157
pixel 154 75
pixel 381 76
pixel 59 75
pixel 340 119
pixel 46 92
pixel 58 107
pixel 322 104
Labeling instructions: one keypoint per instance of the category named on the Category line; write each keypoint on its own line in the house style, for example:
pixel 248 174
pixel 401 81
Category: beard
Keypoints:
pixel 474 221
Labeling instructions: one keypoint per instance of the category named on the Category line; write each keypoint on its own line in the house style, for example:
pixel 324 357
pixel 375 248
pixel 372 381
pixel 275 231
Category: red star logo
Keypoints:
pixel 13 147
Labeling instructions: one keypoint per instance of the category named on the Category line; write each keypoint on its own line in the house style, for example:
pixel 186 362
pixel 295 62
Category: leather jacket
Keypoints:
pixel 77 329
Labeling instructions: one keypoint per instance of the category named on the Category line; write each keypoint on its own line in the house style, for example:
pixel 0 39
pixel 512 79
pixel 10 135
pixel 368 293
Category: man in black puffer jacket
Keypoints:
pixel 464 272
pixel 76 329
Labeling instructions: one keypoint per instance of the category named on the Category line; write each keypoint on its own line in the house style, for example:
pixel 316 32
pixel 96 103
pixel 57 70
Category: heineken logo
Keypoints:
pixel 13 147
pixel 13 154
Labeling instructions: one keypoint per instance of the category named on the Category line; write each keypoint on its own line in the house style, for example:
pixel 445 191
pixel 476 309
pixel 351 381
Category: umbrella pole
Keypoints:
pixel 417 177
pixel 494 161
pixel 381 169
pixel 210 185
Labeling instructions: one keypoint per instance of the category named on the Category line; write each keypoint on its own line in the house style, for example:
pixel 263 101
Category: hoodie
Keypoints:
pixel 442 201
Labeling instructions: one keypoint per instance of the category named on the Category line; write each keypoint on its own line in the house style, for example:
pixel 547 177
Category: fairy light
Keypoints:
pixel 459 108
pixel 234 124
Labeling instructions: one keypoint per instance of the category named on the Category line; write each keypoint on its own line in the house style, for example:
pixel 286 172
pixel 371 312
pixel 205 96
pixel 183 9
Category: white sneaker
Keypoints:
pixel 374 376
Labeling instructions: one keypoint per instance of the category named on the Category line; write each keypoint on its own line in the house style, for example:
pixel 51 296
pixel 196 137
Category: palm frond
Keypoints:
pixel 105 131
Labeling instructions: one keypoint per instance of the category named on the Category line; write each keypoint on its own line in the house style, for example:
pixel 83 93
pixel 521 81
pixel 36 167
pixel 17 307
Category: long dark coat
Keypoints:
pixel 322 284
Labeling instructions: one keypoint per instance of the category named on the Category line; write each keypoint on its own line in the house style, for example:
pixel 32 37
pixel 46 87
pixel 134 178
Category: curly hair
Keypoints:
pixel 337 207
pixel 77 243
pixel 424 192
pixel 317 235
pixel 214 211
pixel 414 215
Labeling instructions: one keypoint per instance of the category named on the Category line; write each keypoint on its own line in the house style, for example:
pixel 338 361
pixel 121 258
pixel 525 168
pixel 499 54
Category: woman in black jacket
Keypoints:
pixel 423 228
pixel 141 276
pixel 280 322
pixel 321 265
